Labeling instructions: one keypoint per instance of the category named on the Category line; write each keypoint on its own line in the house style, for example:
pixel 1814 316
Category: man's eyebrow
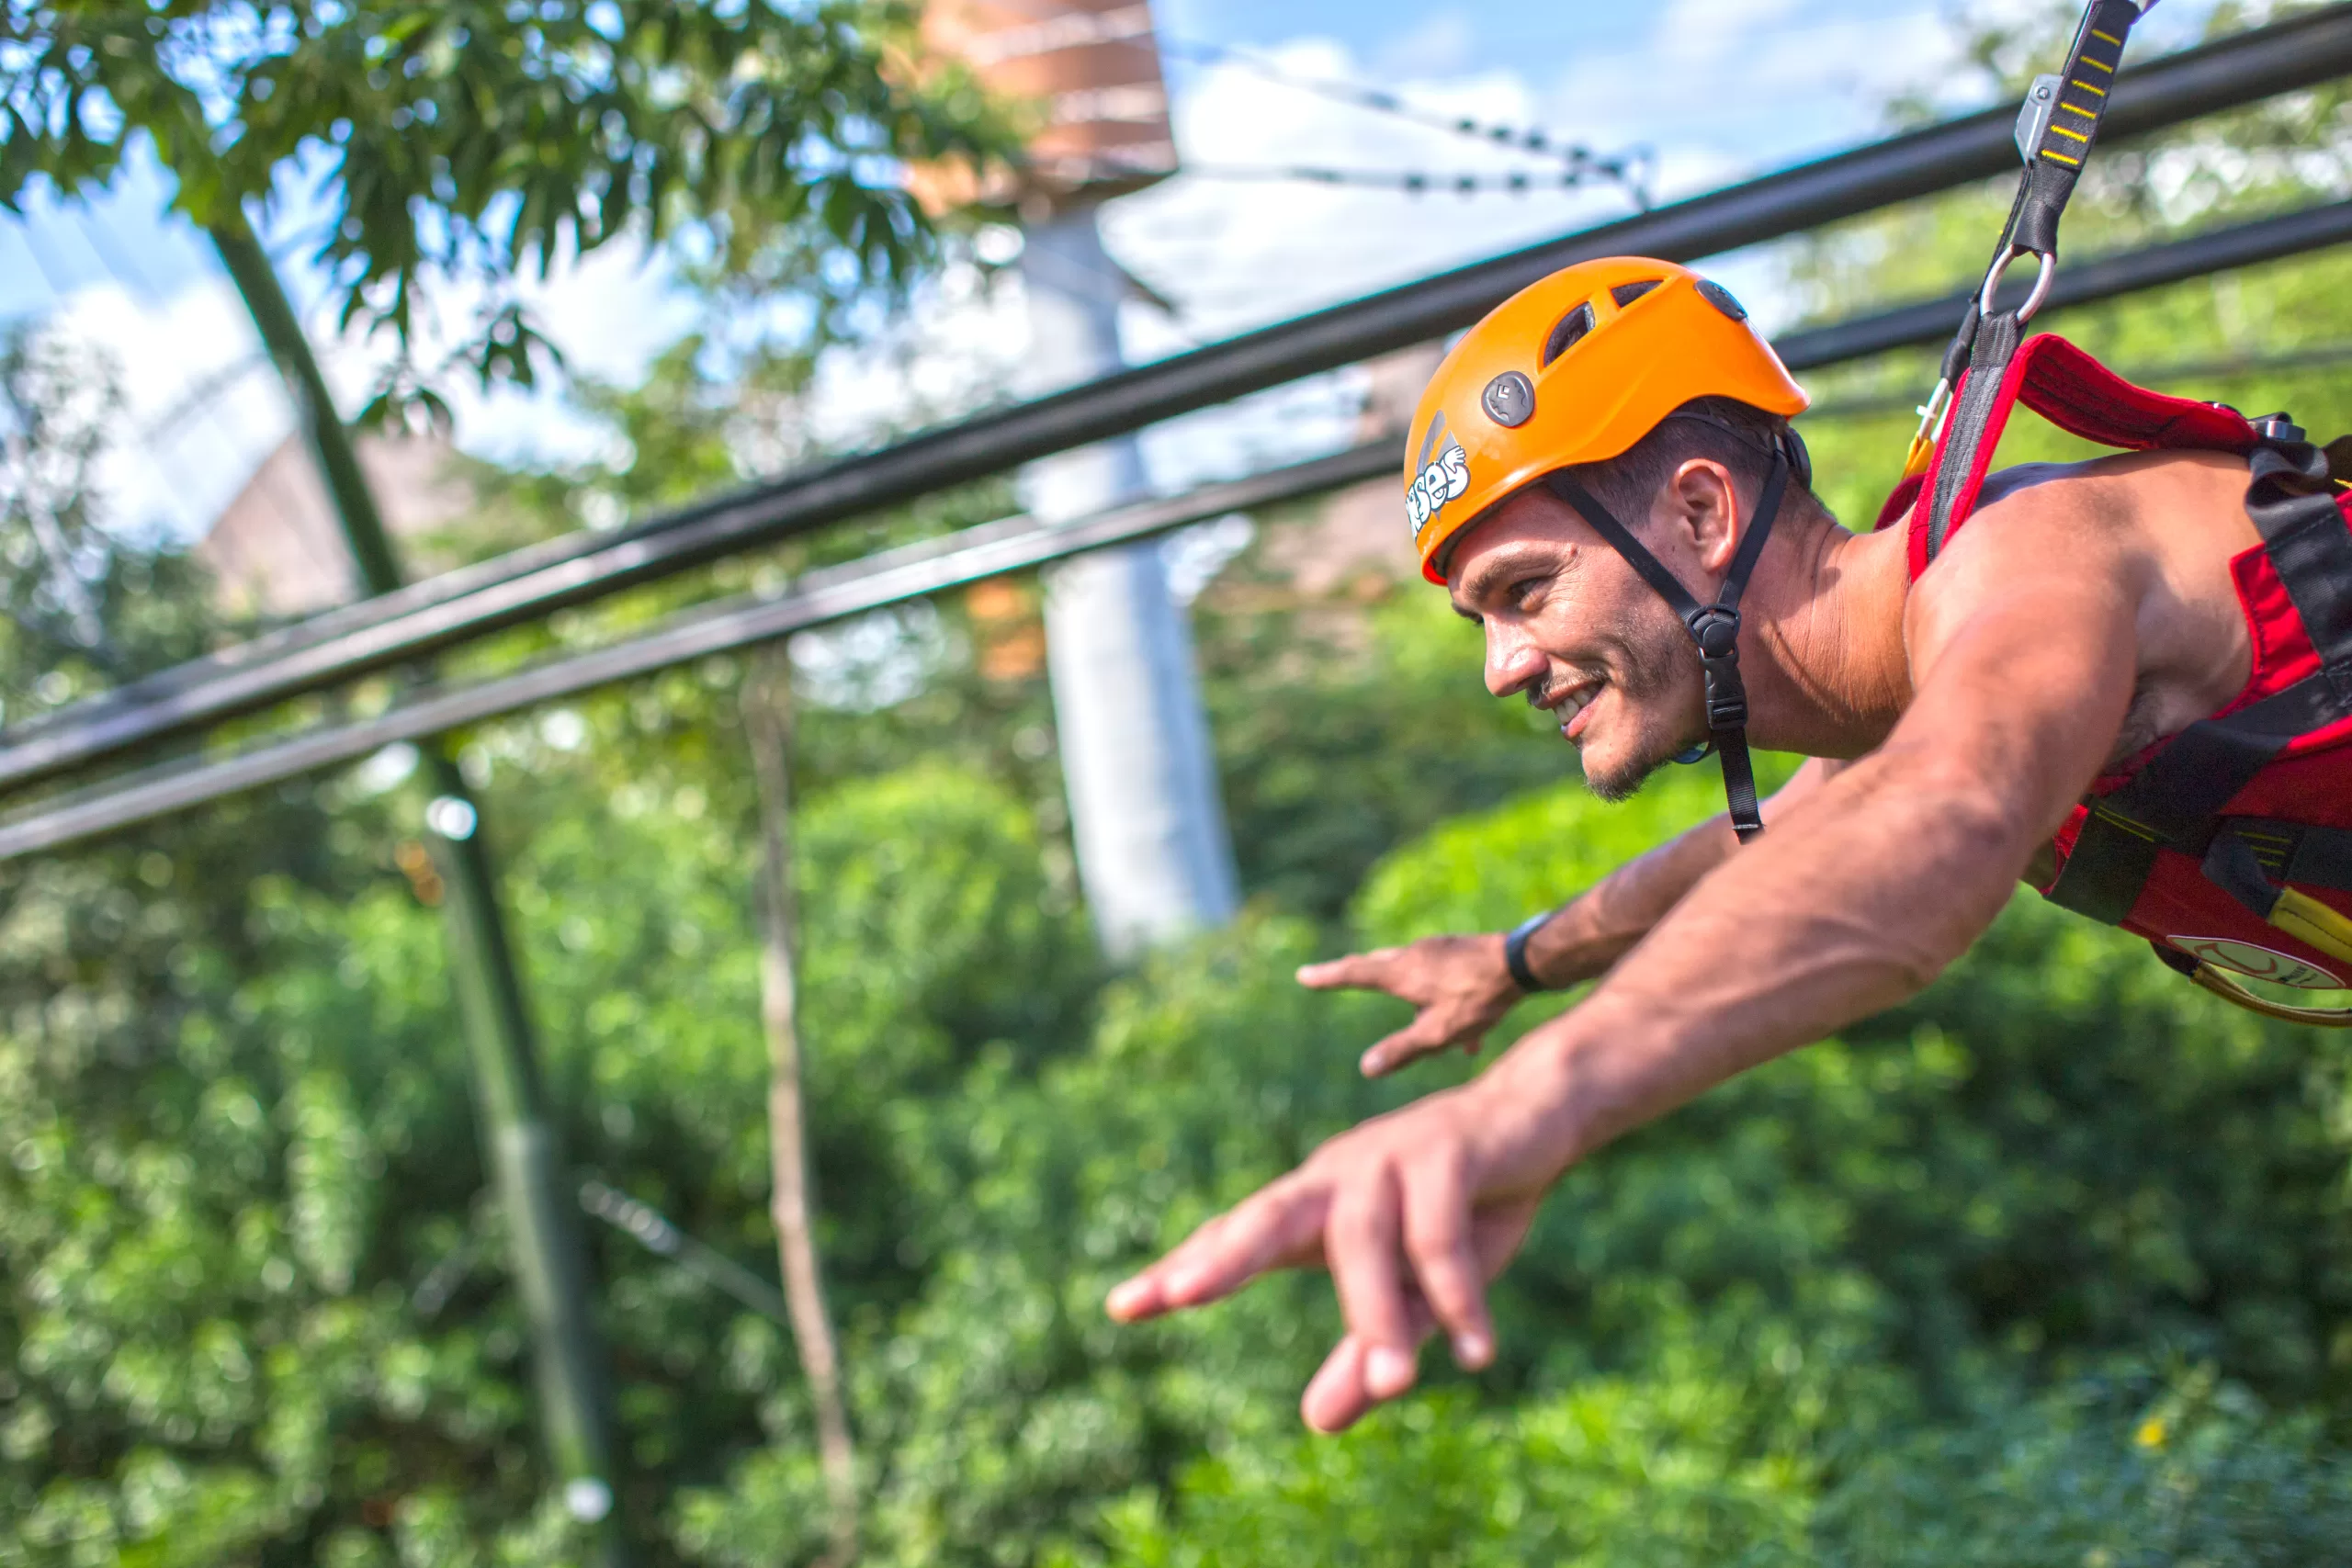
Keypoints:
pixel 1490 572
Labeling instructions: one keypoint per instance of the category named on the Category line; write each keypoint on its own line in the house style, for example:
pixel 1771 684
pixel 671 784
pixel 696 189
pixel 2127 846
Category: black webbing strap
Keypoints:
pixel 2055 130
pixel 2309 546
pixel 2056 160
pixel 2111 861
pixel 2232 865
pixel 2301 852
pixel 2173 801
pixel 1997 338
pixel 1714 626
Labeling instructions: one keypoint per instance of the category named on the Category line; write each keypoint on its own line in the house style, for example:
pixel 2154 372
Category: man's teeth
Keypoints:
pixel 1575 703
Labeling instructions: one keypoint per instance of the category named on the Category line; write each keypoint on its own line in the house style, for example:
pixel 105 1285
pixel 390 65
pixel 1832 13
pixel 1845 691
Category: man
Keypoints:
pixel 1602 476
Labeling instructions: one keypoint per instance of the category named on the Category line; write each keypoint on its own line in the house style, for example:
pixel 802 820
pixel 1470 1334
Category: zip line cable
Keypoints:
pixel 1411 182
pixel 993 549
pixel 529 583
pixel 1054 32
pixel 1634 167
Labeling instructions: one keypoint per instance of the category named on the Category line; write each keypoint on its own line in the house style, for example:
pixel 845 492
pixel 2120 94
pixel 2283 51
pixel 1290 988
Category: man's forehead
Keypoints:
pixel 1521 531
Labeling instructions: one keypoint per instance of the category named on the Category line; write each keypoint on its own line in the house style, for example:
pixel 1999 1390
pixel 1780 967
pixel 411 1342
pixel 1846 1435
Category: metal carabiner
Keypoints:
pixel 2042 281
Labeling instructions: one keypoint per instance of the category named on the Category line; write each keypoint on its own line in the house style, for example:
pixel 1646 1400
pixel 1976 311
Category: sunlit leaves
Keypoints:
pixel 478 141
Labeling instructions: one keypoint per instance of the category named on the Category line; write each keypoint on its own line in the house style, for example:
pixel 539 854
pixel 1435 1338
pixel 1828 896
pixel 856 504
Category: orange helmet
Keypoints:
pixel 1575 369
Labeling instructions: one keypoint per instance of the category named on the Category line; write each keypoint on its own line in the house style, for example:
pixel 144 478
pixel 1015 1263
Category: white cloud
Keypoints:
pixel 202 407
pixel 1709 31
pixel 1720 88
pixel 1239 254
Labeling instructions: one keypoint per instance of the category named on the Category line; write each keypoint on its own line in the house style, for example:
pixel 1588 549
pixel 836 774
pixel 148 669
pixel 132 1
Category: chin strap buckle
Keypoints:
pixel 1716 629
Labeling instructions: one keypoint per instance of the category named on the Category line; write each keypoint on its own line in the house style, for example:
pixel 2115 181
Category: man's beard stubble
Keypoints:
pixel 1645 690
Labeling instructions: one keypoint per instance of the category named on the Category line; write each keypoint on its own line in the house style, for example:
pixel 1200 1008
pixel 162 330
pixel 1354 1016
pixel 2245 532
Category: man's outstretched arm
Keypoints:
pixel 1856 900
pixel 1461 987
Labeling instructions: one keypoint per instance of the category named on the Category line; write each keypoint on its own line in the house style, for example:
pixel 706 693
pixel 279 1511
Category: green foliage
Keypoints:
pixel 1489 870
pixel 1610 1473
pixel 2119 1474
pixel 255 1297
pixel 2052 1266
pixel 2124 1472
pixel 80 608
pixel 478 138
pixel 1796 1314
pixel 1000 1405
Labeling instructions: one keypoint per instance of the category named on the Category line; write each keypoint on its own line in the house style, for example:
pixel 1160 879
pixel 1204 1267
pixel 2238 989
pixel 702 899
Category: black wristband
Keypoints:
pixel 1515 952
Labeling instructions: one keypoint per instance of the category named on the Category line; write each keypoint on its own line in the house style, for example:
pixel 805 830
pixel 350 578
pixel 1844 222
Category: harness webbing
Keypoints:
pixel 1714 626
pixel 1971 421
pixel 2175 800
pixel 2291 503
pixel 2055 130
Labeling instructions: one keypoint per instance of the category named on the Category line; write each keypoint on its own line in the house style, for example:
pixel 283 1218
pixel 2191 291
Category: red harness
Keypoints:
pixel 2229 846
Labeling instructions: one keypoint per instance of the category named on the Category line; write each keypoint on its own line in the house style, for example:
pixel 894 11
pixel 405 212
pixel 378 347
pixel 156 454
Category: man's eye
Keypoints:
pixel 1527 590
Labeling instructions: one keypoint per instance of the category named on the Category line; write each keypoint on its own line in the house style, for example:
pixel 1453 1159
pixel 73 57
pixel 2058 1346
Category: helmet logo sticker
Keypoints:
pixel 1441 478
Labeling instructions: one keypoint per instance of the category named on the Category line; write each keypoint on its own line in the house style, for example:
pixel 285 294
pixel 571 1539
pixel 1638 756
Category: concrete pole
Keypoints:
pixel 1153 855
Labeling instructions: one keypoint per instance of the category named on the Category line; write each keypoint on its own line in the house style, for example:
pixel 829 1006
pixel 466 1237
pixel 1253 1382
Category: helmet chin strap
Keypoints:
pixel 1714 626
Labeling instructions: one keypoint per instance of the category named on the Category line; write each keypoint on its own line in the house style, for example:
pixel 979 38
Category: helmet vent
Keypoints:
pixel 1626 293
pixel 1568 334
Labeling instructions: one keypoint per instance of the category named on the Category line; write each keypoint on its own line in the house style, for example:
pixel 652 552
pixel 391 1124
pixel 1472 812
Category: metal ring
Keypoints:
pixel 2042 282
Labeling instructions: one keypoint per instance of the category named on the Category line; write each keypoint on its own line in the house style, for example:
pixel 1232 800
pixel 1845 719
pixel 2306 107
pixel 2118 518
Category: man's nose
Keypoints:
pixel 1512 659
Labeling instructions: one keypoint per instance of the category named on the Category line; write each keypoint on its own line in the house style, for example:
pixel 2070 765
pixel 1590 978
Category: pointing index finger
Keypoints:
pixel 1224 1253
pixel 1361 970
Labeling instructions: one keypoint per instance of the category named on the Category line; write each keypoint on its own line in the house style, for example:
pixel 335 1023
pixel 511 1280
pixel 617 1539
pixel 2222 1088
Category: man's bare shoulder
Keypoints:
pixel 2153 533
pixel 2178 515
pixel 2155 500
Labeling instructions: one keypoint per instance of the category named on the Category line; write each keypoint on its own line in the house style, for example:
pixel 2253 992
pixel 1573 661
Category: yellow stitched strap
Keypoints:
pixel 2223 983
pixel 2313 923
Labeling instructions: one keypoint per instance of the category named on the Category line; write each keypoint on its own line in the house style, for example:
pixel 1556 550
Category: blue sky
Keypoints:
pixel 1719 88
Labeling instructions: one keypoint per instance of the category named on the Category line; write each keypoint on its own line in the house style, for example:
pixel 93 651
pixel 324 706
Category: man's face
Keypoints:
pixel 1571 626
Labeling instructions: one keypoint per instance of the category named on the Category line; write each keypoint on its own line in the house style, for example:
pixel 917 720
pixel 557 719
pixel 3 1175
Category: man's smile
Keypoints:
pixel 1571 703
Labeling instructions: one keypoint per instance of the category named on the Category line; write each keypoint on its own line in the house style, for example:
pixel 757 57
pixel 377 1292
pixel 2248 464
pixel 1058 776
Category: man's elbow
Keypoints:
pixel 1969 804
pixel 1968 837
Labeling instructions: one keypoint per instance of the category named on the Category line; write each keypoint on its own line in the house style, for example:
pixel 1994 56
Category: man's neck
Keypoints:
pixel 1827 613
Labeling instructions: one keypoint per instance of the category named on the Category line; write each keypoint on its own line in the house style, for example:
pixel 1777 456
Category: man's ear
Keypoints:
pixel 1704 511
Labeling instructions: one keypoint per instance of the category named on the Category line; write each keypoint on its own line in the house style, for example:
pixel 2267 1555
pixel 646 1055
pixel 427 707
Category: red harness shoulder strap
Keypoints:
pixel 2176 848
pixel 2077 393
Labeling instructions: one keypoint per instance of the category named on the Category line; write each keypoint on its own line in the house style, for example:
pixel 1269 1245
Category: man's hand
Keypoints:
pixel 1413 1213
pixel 1459 983
pixel 1463 988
